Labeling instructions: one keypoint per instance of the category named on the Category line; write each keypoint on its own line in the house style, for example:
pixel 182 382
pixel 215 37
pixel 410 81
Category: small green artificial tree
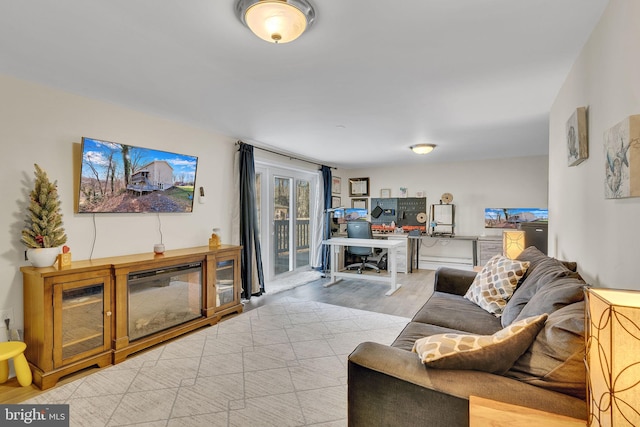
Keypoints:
pixel 43 224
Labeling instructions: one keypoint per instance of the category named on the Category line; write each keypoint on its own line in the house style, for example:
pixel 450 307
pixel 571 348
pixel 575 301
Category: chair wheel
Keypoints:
pixel 359 271
pixel 377 271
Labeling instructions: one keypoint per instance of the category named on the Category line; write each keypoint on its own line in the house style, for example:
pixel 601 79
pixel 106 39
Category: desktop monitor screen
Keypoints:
pixel 352 214
pixel 510 217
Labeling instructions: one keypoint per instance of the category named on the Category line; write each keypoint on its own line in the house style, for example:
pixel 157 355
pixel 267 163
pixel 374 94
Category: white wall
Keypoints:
pixel 41 125
pixel 475 185
pixel 602 235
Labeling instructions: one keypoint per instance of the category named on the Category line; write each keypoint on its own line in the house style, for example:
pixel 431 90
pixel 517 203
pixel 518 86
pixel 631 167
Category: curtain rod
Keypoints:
pixel 286 155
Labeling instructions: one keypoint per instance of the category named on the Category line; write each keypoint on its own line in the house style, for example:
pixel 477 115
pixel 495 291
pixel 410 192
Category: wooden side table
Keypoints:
pixel 492 413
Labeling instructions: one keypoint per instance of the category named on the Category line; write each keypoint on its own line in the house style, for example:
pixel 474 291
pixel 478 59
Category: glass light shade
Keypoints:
pixel 422 148
pixel 512 243
pixel 613 357
pixel 275 21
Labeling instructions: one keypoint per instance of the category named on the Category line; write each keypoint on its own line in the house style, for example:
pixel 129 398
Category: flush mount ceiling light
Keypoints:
pixel 276 21
pixel 422 148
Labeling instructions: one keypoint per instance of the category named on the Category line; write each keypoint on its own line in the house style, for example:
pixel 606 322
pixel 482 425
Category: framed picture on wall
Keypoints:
pixel 336 185
pixel 358 187
pixel 335 202
pixel 385 193
pixel 360 203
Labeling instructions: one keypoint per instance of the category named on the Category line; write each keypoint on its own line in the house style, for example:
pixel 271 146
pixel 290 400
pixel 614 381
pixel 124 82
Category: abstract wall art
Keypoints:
pixel 577 139
pixel 622 159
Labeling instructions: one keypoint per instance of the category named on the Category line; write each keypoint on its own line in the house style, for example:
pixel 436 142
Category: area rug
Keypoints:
pixel 291 280
pixel 283 364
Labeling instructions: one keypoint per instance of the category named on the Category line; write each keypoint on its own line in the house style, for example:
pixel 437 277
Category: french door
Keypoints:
pixel 284 206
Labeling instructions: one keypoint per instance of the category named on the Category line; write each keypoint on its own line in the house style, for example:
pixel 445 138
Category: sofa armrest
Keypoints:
pixel 390 386
pixel 453 280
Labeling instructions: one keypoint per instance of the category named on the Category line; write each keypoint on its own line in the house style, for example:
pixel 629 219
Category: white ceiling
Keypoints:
pixel 370 78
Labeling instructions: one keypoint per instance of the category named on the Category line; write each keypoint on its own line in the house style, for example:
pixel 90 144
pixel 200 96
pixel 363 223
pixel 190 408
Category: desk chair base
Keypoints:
pixel 363 265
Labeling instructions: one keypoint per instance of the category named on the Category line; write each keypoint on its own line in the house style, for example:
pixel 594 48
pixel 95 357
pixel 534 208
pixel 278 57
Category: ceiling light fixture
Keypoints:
pixel 276 21
pixel 422 148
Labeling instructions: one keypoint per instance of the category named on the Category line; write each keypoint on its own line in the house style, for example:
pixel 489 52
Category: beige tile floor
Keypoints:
pixel 281 364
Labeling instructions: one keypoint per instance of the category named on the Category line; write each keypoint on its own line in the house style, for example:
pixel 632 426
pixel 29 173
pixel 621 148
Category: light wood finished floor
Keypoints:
pixel 355 293
pixel 363 294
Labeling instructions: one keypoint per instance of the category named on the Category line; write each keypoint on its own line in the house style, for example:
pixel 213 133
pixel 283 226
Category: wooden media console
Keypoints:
pixel 89 314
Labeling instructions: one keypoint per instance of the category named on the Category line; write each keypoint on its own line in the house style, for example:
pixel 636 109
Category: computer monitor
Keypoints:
pixel 354 214
pixel 512 217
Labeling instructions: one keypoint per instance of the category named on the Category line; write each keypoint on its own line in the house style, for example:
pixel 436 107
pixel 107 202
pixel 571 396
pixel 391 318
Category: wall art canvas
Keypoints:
pixel 622 159
pixel 577 141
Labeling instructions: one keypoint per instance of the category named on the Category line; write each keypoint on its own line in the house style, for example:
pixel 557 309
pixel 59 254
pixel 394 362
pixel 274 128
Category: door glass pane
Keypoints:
pixel 302 223
pixel 281 203
pixel 82 320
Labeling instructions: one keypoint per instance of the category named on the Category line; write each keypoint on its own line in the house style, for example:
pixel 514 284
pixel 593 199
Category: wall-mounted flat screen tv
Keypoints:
pixel 120 178
pixel 511 217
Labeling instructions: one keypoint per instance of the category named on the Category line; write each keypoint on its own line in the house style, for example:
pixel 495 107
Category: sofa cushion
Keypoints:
pixel 534 257
pixel 543 272
pixel 553 296
pixel 415 330
pixel 494 285
pixel 555 360
pixel 455 312
pixel 490 353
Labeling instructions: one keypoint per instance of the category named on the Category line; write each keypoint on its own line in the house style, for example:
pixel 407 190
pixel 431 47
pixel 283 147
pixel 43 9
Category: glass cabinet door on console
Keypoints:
pixel 226 269
pixel 82 320
pixel 67 319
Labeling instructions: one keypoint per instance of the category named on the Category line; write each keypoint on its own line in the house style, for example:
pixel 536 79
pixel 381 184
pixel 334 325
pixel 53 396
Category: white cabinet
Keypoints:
pixel 488 246
pixel 402 256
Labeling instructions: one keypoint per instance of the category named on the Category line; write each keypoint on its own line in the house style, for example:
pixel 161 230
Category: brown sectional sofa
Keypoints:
pixel 389 386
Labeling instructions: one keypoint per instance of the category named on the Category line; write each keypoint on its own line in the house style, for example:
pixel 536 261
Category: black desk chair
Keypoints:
pixel 360 230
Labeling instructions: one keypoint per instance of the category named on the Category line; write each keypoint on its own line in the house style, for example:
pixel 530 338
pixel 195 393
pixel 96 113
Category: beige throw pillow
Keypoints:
pixel 489 353
pixel 494 285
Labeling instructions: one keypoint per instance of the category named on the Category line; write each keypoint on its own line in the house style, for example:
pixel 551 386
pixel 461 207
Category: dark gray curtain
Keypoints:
pixel 326 180
pixel 251 257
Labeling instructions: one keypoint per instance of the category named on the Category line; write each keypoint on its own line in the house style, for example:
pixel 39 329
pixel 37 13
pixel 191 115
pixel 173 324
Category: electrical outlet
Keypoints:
pixel 6 313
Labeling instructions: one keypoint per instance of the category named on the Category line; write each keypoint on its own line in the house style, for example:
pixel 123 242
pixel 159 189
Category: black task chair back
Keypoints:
pixel 359 230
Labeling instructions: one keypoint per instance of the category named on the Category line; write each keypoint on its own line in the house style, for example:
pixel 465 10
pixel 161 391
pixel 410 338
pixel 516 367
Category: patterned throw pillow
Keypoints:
pixel 489 353
pixel 494 285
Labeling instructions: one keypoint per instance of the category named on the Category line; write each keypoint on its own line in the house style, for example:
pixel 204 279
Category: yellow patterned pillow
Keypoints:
pixel 490 353
pixel 494 285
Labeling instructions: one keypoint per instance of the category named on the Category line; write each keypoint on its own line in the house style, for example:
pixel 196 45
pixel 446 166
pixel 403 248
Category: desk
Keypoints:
pixel 402 253
pixel 337 243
